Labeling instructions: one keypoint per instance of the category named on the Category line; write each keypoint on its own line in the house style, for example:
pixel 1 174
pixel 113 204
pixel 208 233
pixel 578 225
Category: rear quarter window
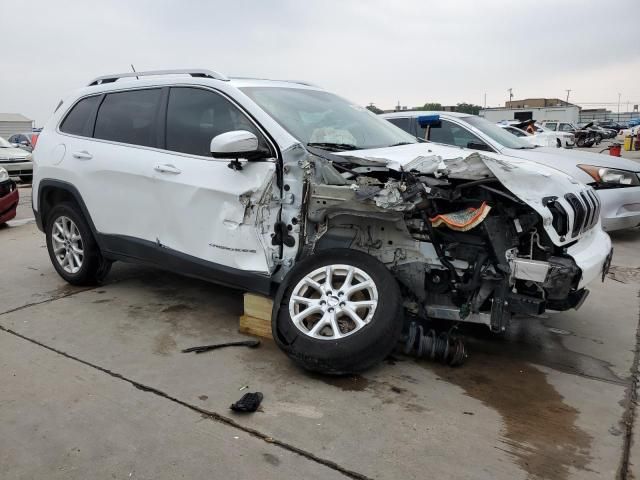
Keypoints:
pixel 129 117
pixel 78 120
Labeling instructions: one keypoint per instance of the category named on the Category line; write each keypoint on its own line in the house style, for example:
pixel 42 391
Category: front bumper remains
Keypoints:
pixel 620 208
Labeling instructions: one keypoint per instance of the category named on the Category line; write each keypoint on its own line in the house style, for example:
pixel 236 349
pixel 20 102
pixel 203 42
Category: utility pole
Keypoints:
pixel 510 90
pixel 485 99
pixel 568 92
pixel 619 95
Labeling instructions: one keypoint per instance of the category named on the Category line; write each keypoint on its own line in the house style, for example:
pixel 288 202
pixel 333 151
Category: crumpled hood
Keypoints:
pixel 567 160
pixel 13 154
pixel 528 181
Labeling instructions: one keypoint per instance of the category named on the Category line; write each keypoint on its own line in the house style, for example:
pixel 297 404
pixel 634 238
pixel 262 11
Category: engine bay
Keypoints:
pixel 461 245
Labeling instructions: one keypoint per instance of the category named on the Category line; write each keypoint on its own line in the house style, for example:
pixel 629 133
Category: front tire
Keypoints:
pixel 338 312
pixel 73 251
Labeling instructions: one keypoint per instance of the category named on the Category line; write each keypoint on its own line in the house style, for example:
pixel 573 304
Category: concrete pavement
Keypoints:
pixel 100 370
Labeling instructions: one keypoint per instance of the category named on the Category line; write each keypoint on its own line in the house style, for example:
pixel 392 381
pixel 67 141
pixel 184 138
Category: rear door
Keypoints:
pixel 211 212
pixel 114 169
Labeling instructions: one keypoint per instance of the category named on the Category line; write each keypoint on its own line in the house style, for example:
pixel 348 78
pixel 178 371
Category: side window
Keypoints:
pixel 516 132
pixel 451 134
pixel 551 126
pixel 195 116
pixel 403 123
pixel 129 117
pixel 565 127
pixel 77 120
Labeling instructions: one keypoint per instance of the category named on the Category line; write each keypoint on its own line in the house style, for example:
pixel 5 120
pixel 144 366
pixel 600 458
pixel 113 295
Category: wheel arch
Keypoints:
pixel 52 192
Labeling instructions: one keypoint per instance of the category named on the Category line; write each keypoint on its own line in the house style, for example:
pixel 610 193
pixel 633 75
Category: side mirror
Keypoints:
pixel 237 144
pixel 478 146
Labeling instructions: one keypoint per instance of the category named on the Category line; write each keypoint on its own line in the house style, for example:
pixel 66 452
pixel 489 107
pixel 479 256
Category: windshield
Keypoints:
pixel 497 134
pixel 4 143
pixel 326 120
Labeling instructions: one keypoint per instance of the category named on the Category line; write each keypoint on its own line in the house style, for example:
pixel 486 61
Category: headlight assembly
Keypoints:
pixel 611 177
pixel 3 175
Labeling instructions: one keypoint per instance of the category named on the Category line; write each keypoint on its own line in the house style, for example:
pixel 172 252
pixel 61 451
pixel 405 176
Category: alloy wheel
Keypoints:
pixel 333 302
pixel 68 247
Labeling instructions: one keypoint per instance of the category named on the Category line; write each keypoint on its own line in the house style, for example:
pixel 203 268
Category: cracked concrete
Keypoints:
pixel 548 401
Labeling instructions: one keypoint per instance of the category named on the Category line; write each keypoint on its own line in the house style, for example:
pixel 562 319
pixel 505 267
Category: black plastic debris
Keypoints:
pixel 248 403
pixel 208 348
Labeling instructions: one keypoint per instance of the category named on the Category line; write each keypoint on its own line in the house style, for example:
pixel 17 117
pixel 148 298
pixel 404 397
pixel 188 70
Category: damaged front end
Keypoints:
pixel 463 237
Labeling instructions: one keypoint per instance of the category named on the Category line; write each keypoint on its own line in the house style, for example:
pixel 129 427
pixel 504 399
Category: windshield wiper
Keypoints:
pixel 335 147
pixel 400 143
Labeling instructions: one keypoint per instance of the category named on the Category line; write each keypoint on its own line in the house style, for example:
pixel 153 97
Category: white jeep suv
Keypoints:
pixel 285 189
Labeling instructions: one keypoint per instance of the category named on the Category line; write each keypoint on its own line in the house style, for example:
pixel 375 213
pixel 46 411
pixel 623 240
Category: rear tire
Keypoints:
pixel 580 142
pixel 73 251
pixel 360 342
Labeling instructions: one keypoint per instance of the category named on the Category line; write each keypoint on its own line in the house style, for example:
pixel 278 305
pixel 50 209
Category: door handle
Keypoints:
pixel 83 155
pixel 167 168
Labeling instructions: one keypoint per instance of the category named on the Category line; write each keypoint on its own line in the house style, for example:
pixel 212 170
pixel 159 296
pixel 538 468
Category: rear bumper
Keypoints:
pixel 17 168
pixel 591 254
pixel 620 208
pixel 9 204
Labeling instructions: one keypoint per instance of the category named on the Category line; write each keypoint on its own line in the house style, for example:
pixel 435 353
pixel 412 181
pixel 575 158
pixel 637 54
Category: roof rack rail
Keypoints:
pixel 188 71
pixel 299 82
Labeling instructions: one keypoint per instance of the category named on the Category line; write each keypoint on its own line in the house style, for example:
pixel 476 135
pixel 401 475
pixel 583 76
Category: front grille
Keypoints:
pixel 560 217
pixel 586 211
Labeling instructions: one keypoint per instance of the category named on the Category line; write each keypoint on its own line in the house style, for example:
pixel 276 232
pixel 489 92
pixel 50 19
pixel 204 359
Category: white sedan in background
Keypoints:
pixel 542 137
pixel 616 179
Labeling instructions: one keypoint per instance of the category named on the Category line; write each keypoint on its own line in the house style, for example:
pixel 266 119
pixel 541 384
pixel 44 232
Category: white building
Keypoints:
pixel 566 113
pixel 11 123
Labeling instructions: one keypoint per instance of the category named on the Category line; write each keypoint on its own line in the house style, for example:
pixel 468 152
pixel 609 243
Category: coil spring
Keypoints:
pixel 444 348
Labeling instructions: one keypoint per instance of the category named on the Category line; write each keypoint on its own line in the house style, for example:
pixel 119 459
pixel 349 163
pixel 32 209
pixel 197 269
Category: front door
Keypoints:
pixel 211 212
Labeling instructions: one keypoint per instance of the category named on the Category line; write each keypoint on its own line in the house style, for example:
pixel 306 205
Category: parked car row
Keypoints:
pixel 538 135
pixel 26 141
pixel 357 227
pixel 616 180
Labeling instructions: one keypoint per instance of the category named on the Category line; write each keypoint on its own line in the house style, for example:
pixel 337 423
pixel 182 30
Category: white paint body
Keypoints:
pixel 197 205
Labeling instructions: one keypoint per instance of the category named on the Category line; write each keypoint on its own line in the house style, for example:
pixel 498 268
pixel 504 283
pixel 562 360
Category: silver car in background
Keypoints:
pixel 16 161
pixel 617 180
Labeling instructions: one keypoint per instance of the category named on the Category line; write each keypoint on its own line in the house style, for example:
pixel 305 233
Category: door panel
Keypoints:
pixel 119 188
pixel 218 214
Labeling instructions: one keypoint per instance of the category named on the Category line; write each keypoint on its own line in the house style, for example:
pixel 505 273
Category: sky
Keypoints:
pixel 373 51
